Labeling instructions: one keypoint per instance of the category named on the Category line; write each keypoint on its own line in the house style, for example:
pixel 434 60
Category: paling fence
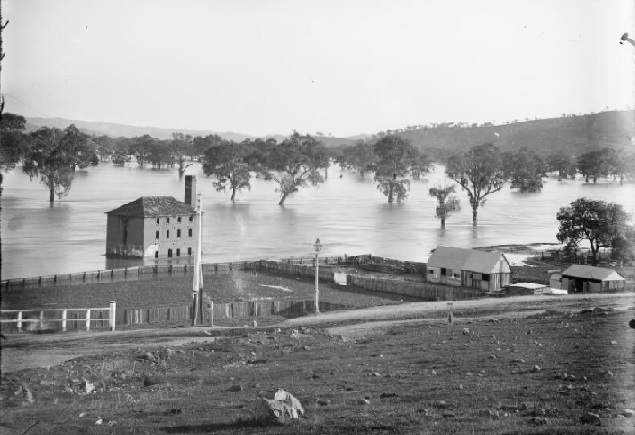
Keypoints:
pixel 51 320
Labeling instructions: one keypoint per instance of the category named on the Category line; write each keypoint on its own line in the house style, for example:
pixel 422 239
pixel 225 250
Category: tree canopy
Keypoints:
pixel 225 163
pixel 396 159
pixel 479 172
pixel 447 203
pixel 292 164
pixel 600 223
pixel 53 156
pixel 524 169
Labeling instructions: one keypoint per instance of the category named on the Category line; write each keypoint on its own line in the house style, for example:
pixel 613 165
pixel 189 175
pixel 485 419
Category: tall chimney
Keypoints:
pixel 190 190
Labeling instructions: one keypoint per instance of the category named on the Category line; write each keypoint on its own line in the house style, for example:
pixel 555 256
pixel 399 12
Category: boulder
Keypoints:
pixel 283 406
pixel 590 418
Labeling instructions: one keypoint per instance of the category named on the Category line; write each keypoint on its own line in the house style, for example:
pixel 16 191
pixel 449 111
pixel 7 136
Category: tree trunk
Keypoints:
pixel 326 173
pixel 442 223
pixel 51 193
pixel 233 192
pixel 282 199
pixel 474 216
pixel 390 194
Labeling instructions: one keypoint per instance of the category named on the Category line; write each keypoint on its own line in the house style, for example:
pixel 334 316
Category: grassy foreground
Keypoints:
pixel 535 375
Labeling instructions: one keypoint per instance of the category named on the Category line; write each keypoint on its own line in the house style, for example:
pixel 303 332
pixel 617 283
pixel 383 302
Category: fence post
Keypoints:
pixel 41 320
pixel 113 310
pixel 64 316
pixel 88 320
pixel 19 321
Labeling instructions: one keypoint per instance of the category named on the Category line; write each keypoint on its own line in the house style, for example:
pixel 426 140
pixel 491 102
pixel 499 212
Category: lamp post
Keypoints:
pixel 317 247
pixel 197 283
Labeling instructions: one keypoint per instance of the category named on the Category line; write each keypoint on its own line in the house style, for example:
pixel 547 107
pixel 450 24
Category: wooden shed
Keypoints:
pixel 484 270
pixel 581 278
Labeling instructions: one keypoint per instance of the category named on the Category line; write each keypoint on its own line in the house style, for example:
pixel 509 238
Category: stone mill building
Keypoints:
pixel 154 226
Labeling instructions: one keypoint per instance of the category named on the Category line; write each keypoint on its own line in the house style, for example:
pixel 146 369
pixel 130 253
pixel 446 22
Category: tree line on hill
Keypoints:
pixel 301 161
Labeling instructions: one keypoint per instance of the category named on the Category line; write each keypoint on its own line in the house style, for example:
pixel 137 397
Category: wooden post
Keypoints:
pixel 88 320
pixel 41 320
pixel 112 312
pixel 19 321
pixel 64 317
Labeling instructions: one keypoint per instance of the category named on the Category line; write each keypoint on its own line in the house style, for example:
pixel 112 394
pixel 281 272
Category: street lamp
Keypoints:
pixel 317 247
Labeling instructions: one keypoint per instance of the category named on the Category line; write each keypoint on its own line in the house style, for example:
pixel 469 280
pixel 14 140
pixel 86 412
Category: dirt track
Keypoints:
pixel 31 351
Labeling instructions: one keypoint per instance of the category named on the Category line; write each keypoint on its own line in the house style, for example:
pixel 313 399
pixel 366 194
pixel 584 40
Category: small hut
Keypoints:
pixel 581 278
pixel 487 271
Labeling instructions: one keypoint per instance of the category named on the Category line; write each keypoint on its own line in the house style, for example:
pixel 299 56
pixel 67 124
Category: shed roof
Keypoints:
pixel 464 259
pixel 592 272
pixel 153 206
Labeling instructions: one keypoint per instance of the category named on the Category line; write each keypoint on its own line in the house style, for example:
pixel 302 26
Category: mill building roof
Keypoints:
pixel 153 206
pixel 592 272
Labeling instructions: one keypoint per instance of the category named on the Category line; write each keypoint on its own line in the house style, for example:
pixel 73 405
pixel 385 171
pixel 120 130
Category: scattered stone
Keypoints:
pixel 433 372
pixel 487 413
pixel 538 421
pixel 278 410
pixel 590 418
pixel 99 421
pixel 536 369
pixel 466 331
pixel 88 386
pixel 148 356
pixel 448 414
pixel 492 357
pixel 524 406
pixel 324 402
pixel 613 342
pixel 517 361
pixel 27 396
pixel 628 413
pixel 235 388
pixel 363 402
pixel 387 395
pixel 441 404
pixel 149 381
pixel 82 414
pixel 112 423
pixel 376 374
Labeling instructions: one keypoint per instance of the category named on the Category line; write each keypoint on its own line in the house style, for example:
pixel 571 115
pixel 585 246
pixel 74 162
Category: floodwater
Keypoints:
pixel 347 213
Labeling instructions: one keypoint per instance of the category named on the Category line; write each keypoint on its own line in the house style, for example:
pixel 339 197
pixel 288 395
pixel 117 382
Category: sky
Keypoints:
pixel 340 67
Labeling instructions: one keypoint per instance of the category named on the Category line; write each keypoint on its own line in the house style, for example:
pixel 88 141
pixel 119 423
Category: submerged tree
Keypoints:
pixel 561 163
pixel 54 155
pixel 447 203
pixel 479 172
pixel 524 169
pixel 291 164
pixel 225 163
pixel 600 223
pixel 396 159
pixel 13 141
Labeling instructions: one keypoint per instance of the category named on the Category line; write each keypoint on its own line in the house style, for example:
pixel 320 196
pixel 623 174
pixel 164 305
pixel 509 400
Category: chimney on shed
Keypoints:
pixel 190 190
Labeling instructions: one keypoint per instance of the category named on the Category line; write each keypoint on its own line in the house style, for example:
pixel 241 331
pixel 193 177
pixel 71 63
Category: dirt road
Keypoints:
pixel 31 351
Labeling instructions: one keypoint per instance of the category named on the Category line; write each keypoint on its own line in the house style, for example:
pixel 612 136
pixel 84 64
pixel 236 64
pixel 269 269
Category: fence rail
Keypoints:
pixel 39 322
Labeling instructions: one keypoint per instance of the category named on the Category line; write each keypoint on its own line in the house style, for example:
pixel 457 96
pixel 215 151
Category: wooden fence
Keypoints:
pixel 421 290
pixel 51 320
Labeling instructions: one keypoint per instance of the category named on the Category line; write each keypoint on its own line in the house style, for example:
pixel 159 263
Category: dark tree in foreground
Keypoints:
pixel 600 223
pixel 447 203
pixel 12 140
pixel 225 163
pixel 291 165
pixel 524 169
pixel 396 159
pixel 53 156
pixel 479 172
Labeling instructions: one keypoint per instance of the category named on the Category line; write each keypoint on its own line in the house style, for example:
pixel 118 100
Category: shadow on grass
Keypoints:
pixel 212 427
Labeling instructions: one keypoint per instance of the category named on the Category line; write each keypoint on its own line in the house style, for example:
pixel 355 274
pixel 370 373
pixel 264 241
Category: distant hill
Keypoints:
pixel 121 130
pixel 573 134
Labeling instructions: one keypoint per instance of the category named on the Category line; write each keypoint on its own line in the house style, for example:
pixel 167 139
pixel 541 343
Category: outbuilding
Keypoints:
pixel 484 270
pixel 581 278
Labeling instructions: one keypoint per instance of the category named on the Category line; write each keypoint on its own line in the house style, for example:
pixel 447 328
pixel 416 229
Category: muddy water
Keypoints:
pixel 348 214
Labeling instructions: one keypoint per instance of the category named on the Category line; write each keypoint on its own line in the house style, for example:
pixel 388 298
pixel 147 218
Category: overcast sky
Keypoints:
pixel 342 67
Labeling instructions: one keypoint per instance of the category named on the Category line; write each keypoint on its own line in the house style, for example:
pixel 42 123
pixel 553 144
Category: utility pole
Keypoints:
pixel 197 284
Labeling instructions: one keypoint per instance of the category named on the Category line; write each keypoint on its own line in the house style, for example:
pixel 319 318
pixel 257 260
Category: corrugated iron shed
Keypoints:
pixel 592 272
pixel 464 259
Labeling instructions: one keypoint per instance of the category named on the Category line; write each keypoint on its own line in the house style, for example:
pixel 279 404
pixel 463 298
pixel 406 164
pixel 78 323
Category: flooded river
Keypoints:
pixel 348 214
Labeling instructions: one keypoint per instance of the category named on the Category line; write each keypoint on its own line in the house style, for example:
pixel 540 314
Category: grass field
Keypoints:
pixel 505 375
